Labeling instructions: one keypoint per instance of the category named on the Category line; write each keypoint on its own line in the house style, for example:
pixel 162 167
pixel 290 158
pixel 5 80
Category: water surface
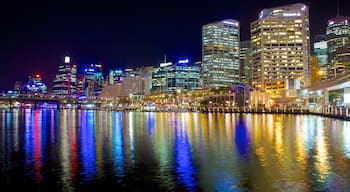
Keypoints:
pixel 75 150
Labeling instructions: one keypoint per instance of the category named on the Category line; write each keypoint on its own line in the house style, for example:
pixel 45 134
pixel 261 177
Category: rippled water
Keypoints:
pixel 73 150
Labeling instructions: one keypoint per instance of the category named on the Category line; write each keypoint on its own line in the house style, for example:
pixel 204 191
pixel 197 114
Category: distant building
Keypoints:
pixel 172 77
pixel 320 51
pixel 34 86
pixel 93 80
pixel 65 82
pixel 338 35
pixel 220 53
pixel 245 60
pixel 281 45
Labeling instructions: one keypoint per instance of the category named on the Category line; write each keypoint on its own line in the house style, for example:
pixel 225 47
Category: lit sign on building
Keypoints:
pixel 165 64
pixel 183 61
pixel 291 14
pixel 66 59
pixel 230 23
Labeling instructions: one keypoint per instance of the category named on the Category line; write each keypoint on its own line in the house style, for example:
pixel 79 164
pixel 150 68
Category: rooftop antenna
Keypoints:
pixel 164 58
pixel 338 9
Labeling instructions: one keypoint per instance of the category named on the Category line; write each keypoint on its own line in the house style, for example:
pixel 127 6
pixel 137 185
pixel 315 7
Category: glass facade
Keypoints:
pixel 171 77
pixel 338 35
pixel 281 45
pixel 220 54
pixel 93 80
pixel 65 82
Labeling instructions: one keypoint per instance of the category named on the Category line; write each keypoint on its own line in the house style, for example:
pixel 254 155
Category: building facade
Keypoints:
pixel 320 51
pixel 338 35
pixel 220 54
pixel 65 82
pixel 280 43
pixel 245 61
pixel 93 80
pixel 172 77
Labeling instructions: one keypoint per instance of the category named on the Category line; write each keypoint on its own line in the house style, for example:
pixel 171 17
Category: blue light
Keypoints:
pixel 183 61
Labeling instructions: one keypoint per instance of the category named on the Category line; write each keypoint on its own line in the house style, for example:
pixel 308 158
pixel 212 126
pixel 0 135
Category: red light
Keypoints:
pixel 37 76
pixel 74 66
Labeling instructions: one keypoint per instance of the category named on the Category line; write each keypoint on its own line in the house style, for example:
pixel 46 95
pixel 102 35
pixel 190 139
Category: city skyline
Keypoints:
pixel 39 34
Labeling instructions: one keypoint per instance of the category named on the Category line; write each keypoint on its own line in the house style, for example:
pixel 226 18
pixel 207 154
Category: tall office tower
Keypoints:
pixel 338 35
pixel 65 82
pixel 281 45
pixel 93 80
pixel 220 53
pixel 245 62
pixel 320 51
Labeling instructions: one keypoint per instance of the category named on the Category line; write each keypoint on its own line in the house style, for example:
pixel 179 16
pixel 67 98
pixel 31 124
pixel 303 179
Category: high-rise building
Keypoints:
pixel 179 76
pixel 93 80
pixel 34 86
pixel 245 62
pixel 280 43
pixel 65 82
pixel 220 54
pixel 338 35
pixel 320 51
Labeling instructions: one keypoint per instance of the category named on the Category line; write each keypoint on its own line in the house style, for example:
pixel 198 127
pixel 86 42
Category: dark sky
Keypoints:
pixel 35 35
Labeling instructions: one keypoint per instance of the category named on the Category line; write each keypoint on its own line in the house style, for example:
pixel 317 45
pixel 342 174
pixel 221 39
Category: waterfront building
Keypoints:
pixel 220 53
pixel 316 72
pixel 338 35
pixel 320 51
pixel 173 77
pixel 66 80
pixel 281 45
pixel 245 62
pixel 93 80
pixel 115 76
pixel 34 86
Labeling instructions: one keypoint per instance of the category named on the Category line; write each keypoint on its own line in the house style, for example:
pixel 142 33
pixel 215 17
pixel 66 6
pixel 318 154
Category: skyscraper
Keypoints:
pixel 338 35
pixel 220 53
pixel 245 62
pixel 93 80
pixel 281 45
pixel 65 82
pixel 320 51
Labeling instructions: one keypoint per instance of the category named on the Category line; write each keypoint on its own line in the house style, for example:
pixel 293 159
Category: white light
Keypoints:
pixel 230 23
pixel 165 64
pixel 291 14
pixel 66 59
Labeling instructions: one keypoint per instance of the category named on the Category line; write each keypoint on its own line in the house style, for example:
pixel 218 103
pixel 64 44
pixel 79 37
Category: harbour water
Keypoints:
pixel 87 150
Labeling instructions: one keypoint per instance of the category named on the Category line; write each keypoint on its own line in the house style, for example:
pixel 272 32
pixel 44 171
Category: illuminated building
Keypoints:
pixel 65 82
pixel 34 86
pixel 128 82
pixel 280 45
pixel 93 80
pixel 316 73
pixel 320 51
pixel 245 62
pixel 220 54
pixel 115 76
pixel 171 77
pixel 338 35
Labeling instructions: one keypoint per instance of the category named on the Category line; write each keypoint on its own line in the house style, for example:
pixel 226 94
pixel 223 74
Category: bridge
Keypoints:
pixel 36 100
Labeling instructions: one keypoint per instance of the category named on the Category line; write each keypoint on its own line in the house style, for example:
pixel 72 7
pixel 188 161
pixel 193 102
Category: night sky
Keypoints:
pixel 35 35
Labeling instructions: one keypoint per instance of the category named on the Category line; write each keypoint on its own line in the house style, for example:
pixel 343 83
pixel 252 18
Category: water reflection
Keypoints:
pixel 70 149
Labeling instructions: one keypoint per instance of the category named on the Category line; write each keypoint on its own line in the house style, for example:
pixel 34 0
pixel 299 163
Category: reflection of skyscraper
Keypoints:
pixel 65 81
pixel 220 53
pixel 281 44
